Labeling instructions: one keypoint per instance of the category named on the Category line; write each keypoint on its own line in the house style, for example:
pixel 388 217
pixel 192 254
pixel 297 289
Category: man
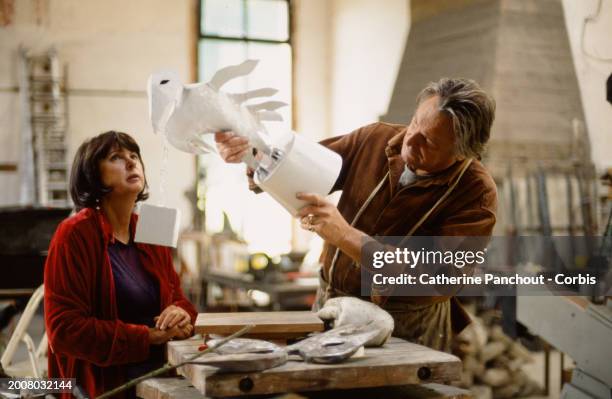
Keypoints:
pixel 424 179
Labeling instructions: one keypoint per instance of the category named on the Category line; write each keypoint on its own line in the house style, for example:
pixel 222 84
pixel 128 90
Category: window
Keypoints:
pixel 232 31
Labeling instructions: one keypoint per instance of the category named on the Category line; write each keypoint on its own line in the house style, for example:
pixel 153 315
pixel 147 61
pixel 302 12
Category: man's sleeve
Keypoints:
pixel 475 219
pixel 71 328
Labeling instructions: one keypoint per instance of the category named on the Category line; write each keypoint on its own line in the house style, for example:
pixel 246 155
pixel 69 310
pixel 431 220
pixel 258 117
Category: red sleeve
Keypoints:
pixel 71 327
pixel 347 146
pixel 178 298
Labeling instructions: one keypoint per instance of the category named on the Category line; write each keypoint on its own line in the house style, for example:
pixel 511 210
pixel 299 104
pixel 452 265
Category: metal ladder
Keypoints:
pixel 48 109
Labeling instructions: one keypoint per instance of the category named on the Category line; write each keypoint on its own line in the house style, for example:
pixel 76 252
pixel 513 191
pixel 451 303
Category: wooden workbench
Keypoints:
pixel 397 363
pixel 180 388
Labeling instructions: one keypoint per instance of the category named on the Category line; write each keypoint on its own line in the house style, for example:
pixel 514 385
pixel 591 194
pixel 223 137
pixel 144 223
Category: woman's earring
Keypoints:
pixel 97 204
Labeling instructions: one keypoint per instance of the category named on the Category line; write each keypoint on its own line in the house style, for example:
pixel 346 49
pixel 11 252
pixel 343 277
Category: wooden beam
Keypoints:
pixel 8 167
pixel 271 325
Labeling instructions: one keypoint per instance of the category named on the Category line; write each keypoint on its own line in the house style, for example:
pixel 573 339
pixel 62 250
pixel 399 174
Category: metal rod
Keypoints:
pixel 168 367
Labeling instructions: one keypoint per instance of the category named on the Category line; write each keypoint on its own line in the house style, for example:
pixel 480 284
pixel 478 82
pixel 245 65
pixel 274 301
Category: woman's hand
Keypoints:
pixel 172 316
pixel 183 332
pixel 158 337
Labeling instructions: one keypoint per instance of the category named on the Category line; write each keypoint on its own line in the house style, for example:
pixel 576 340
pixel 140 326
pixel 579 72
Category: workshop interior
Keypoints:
pixel 235 291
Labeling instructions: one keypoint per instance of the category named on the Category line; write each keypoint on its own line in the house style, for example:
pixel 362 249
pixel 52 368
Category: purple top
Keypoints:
pixel 138 299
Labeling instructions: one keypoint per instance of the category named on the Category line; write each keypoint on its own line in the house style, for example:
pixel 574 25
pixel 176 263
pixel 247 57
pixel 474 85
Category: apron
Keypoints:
pixel 425 324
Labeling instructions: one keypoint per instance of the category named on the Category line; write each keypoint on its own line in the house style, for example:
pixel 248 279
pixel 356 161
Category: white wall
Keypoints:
pixel 109 46
pixel 592 73
pixel 312 67
pixel 368 40
pixel 346 58
pixel 347 54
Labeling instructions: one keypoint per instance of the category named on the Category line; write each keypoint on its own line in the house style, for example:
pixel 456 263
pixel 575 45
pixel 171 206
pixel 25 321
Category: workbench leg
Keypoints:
pixel 546 369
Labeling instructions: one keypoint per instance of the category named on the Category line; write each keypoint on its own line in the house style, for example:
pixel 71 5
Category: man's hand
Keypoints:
pixel 172 316
pixel 322 217
pixel 232 147
pixel 158 337
pixel 348 310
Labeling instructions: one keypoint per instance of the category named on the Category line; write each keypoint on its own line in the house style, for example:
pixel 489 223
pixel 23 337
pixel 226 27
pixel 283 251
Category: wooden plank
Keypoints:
pixel 8 167
pixel 439 391
pixel 180 388
pixel 273 325
pixel 425 391
pixel 167 388
pixel 397 363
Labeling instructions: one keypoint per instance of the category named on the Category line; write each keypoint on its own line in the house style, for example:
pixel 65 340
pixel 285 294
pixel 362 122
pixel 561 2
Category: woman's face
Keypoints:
pixel 121 170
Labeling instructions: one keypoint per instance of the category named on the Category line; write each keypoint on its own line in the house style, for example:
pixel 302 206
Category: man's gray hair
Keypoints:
pixel 471 110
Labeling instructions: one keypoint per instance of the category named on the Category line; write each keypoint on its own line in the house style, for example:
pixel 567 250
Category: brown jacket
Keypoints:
pixel 368 153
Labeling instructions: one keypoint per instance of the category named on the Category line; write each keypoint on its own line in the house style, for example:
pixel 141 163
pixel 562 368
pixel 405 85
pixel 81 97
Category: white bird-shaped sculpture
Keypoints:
pixel 188 115
pixel 185 113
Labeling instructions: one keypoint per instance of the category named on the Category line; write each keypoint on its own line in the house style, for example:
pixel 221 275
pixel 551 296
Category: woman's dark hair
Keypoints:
pixel 85 183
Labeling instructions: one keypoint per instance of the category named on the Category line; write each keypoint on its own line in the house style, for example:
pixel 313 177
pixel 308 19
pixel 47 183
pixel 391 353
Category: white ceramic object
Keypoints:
pixel 306 166
pixel 158 225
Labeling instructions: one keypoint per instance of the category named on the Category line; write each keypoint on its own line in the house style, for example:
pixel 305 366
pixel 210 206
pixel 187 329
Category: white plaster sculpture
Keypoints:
pixel 346 310
pixel 188 115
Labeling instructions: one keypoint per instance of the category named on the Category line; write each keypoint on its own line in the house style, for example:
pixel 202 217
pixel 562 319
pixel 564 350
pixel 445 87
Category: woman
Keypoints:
pixel 110 304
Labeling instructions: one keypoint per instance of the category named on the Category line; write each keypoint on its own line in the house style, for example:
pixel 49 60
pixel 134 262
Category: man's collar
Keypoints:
pixel 394 145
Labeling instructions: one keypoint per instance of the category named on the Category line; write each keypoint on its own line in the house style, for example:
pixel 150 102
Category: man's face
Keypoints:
pixel 429 143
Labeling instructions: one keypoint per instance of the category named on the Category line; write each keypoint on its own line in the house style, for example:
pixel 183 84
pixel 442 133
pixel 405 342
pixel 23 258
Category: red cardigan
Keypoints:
pixel 86 339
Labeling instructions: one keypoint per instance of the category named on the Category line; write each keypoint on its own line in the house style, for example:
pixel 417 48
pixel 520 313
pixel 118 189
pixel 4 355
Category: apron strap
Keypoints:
pixel 376 296
pixel 330 275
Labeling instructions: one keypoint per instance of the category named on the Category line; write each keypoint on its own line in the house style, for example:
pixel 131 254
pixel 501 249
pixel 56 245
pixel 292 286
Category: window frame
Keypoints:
pixel 200 174
pixel 245 37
